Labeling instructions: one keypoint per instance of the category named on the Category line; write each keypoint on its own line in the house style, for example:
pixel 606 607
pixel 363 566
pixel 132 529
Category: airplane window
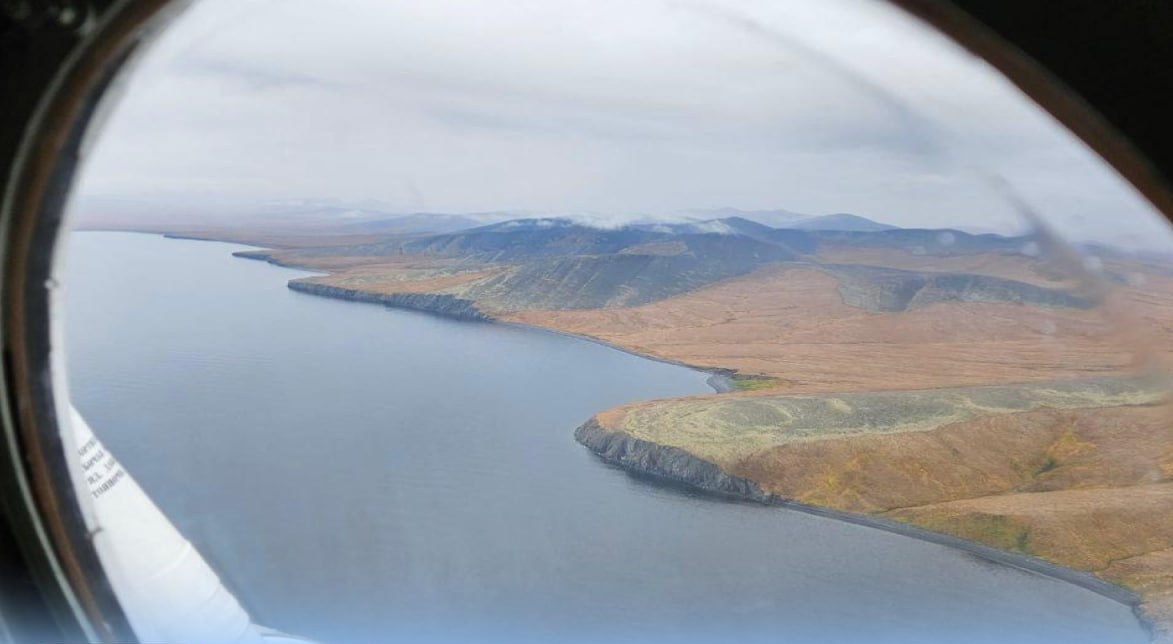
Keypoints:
pixel 611 322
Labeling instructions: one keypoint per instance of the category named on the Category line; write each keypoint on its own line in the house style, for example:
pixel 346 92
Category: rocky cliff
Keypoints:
pixel 661 461
pixel 439 304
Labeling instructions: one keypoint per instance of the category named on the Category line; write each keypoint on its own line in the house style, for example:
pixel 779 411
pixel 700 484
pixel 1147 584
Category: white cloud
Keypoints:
pixel 602 106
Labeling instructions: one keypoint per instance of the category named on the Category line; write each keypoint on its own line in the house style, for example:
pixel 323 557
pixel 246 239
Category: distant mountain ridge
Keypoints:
pixel 788 219
pixel 556 263
pixel 841 221
pixel 774 218
pixel 427 223
pixel 372 217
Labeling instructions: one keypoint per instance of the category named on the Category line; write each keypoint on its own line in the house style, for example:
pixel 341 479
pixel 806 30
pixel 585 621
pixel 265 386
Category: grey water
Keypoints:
pixel 361 474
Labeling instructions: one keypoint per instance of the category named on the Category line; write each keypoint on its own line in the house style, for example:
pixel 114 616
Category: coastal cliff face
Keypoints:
pixel 661 461
pixel 436 303
pixel 259 255
pixel 1074 474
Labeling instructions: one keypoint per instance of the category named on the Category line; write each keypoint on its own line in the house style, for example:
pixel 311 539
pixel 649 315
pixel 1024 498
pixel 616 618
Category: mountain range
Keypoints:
pixel 554 263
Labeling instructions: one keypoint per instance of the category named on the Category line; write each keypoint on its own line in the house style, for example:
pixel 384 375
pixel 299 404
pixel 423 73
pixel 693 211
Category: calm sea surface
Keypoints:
pixel 363 474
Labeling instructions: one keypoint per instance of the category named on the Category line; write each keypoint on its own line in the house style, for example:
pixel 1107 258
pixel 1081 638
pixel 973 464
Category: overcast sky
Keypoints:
pixel 610 107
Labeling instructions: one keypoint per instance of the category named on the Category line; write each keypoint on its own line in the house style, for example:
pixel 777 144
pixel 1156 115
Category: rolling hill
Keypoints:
pixel 969 384
pixel 560 264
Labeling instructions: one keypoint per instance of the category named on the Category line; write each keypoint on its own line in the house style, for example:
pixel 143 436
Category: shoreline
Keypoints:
pixel 746 491
pixel 721 382
pixel 718 378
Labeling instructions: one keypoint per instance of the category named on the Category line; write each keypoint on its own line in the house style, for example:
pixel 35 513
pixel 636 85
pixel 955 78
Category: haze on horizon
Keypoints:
pixel 606 109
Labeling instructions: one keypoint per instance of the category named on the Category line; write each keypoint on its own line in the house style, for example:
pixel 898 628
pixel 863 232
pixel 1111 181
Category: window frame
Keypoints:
pixel 68 57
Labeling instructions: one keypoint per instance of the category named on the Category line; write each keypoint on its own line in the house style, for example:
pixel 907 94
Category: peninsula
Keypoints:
pixel 992 388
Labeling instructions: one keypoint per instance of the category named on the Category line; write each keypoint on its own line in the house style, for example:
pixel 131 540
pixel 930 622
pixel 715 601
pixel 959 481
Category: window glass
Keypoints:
pixel 613 322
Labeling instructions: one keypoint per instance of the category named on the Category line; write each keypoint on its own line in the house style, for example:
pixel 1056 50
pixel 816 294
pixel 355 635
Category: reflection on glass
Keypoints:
pixel 626 224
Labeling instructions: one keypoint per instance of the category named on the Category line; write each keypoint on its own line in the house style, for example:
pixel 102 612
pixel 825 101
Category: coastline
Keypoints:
pixel 437 304
pixel 719 379
pixel 733 488
pixel 590 434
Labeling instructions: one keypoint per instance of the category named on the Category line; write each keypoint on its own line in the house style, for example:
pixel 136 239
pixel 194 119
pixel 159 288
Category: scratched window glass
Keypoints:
pixel 612 321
